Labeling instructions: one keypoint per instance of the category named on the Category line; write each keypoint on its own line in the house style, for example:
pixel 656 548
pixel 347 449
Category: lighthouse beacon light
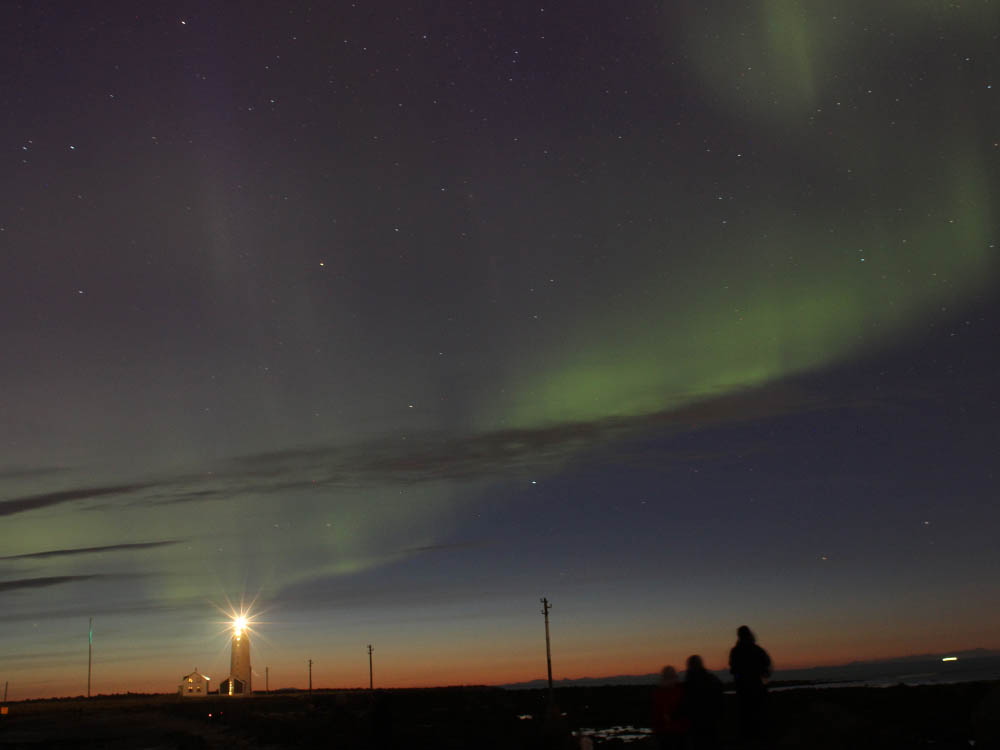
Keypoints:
pixel 239 681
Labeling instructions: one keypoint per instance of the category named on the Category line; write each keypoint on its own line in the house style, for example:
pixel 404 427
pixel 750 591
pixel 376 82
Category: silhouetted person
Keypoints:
pixel 669 726
pixel 750 666
pixel 702 705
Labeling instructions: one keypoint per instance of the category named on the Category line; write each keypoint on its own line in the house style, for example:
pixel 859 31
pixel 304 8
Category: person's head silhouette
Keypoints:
pixel 668 676
pixel 745 635
pixel 695 665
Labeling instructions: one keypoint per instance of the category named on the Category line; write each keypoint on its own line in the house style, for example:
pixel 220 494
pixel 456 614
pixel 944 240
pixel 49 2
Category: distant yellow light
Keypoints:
pixel 950 658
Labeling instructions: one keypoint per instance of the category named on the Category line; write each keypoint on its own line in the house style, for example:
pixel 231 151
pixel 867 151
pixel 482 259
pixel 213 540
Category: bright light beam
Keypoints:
pixel 239 624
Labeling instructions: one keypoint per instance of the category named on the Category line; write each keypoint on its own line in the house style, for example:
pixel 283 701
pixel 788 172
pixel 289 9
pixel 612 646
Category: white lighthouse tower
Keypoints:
pixel 239 681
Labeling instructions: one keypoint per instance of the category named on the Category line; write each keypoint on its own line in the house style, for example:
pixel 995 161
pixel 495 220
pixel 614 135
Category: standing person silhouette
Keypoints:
pixel 702 705
pixel 669 726
pixel 750 666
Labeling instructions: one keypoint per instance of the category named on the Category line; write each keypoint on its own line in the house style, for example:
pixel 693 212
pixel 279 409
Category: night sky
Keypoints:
pixel 392 318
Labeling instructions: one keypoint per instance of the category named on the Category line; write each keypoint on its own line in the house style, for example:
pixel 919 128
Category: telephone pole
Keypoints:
pixel 267 679
pixel 548 649
pixel 371 681
pixel 90 653
pixel 310 677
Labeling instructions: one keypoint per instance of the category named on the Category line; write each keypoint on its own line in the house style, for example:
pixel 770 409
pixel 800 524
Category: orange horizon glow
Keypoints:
pixel 427 674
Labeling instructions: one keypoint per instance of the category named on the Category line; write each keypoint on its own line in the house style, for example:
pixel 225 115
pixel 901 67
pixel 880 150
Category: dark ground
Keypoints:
pixel 933 716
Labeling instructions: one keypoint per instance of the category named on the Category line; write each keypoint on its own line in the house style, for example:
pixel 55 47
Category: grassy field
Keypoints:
pixel 933 716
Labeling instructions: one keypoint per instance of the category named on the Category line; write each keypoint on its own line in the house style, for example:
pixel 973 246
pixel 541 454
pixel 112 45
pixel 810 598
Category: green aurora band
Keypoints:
pixel 894 229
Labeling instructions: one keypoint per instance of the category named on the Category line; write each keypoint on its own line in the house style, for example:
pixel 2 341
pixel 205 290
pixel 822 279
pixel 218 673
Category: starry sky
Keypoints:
pixel 386 319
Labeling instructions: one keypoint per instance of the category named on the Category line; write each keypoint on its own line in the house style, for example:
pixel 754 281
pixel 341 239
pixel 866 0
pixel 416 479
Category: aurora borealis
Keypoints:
pixel 393 320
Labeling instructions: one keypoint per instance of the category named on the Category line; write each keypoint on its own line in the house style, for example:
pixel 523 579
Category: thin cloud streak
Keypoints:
pixel 49 499
pixel 39 583
pixel 92 550
pixel 446 547
pixel 439 457
pixel 433 457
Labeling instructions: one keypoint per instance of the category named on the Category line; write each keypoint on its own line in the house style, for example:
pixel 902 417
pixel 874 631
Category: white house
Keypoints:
pixel 194 685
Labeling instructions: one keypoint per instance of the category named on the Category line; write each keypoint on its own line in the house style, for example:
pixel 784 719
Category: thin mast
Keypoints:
pixel 90 653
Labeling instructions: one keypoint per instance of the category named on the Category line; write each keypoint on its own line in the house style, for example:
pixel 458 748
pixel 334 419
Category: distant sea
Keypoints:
pixel 925 669
pixel 916 671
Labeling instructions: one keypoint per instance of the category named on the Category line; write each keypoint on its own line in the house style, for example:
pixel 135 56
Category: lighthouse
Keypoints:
pixel 239 681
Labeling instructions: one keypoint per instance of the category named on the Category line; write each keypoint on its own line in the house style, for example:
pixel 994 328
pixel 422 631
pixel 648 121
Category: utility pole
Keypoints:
pixel 548 650
pixel 267 679
pixel 371 681
pixel 310 677
pixel 90 653
pixel 5 690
